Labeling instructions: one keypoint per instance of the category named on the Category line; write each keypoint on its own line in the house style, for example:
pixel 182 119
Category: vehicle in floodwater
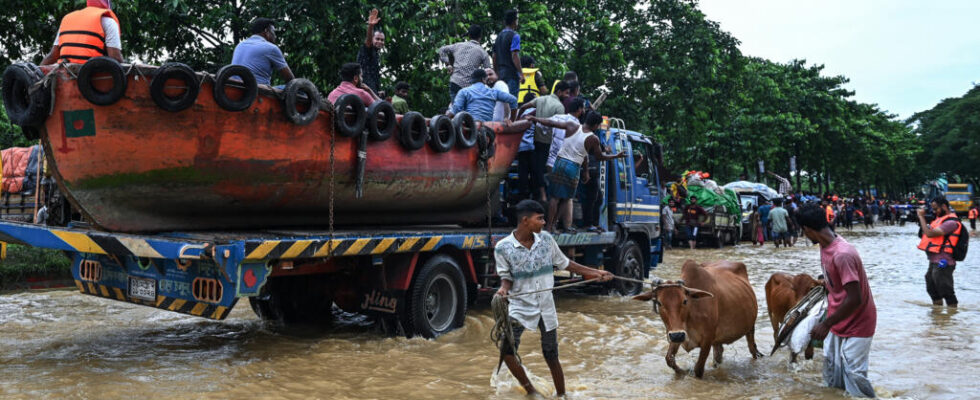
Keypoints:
pixel 417 278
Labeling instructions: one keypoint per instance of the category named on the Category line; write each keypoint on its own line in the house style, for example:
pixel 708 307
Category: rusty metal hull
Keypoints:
pixel 143 169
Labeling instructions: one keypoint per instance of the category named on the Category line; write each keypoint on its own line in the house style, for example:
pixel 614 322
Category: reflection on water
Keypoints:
pixel 63 344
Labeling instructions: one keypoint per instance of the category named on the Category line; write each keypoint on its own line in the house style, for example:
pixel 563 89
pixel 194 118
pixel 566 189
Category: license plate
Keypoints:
pixel 144 289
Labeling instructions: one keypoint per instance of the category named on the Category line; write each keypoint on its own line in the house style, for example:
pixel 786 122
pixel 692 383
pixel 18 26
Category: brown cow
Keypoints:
pixel 783 291
pixel 710 306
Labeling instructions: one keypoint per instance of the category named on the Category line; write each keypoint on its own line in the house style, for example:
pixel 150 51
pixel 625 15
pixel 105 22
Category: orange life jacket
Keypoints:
pixel 939 244
pixel 81 36
pixel 973 213
pixel 830 214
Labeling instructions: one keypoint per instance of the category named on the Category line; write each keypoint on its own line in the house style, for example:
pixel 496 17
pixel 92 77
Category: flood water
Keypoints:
pixel 67 345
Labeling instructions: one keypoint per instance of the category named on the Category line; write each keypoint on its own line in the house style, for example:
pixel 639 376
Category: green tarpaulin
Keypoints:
pixel 708 198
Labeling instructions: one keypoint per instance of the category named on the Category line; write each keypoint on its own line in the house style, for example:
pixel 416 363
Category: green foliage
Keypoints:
pixel 24 261
pixel 951 132
pixel 670 72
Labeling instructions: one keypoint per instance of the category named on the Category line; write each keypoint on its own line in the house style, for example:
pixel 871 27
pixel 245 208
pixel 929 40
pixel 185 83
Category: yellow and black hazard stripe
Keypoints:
pixel 206 310
pixel 289 249
pixel 96 243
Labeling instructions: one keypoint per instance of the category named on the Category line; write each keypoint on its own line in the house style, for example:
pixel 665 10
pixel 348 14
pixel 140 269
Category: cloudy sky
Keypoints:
pixel 904 55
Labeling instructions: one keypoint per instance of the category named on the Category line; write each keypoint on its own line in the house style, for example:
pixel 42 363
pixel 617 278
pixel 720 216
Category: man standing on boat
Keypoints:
pixel 480 100
pixel 464 58
pixel 564 178
pixel 368 56
pixel 526 260
pixel 260 54
pixel 87 33
pixel 350 73
pixel 506 54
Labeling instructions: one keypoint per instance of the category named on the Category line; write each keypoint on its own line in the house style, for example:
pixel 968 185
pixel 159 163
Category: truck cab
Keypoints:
pixel 960 197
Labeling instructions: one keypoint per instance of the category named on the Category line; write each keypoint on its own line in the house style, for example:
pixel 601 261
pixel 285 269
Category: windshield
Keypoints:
pixel 748 200
pixel 957 197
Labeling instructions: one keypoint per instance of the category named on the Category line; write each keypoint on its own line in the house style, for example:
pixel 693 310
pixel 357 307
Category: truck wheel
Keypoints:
pixel 438 298
pixel 719 240
pixel 292 300
pixel 629 264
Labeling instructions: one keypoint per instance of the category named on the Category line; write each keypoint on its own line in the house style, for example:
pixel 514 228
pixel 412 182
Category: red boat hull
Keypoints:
pixel 142 169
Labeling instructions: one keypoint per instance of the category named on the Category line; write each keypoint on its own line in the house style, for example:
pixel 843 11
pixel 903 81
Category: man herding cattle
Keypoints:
pixel 712 305
pixel 851 315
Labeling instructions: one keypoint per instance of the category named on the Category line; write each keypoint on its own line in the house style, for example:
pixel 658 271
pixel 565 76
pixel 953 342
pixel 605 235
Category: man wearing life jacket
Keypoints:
pixel 830 214
pixel 87 33
pixel 973 214
pixel 938 240
pixel 533 85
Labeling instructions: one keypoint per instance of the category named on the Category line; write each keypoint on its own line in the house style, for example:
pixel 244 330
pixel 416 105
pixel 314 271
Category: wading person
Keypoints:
pixel 693 214
pixel 851 314
pixel 87 33
pixel 938 240
pixel 779 220
pixel 973 217
pixel 526 260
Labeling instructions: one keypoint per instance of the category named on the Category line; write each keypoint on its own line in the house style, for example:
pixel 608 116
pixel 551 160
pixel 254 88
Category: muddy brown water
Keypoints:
pixel 63 344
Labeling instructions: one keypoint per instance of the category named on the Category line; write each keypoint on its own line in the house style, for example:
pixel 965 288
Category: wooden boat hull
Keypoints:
pixel 140 168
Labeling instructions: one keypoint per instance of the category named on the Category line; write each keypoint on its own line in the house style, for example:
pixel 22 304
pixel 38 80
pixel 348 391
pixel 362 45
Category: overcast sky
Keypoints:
pixel 903 55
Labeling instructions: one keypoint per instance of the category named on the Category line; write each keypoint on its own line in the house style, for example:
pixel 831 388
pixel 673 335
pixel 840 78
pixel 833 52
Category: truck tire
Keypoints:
pixel 437 302
pixel 718 239
pixel 294 300
pixel 629 264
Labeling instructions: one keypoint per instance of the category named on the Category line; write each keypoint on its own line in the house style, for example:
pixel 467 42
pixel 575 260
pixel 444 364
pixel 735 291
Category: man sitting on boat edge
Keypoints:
pixel 87 33
pixel 350 73
pixel 260 54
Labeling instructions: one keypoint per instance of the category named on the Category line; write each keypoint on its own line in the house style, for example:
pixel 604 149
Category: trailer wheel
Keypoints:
pixel 438 298
pixel 629 264
pixel 294 300
pixel 718 239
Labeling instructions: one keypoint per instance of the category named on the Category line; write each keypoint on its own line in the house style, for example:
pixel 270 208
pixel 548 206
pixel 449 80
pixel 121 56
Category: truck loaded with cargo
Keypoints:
pixel 722 225
pixel 189 204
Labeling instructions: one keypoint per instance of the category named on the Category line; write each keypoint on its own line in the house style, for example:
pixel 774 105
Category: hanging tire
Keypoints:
pixel 628 264
pixel 182 73
pixel 486 142
pixel 23 107
pixel 466 131
pixel 349 115
pixel 247 82
pixel 437 302
pixel 102 65
pixel 381 120
pixel 412 131
pixel 442 136
pixel 294 89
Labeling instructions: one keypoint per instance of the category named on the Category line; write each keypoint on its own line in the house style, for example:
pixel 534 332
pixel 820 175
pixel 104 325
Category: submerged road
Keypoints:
pixel 67 345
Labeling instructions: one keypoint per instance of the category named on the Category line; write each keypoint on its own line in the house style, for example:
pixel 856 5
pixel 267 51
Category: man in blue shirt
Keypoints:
pixel 479 100
pixel 506 54
pixel 764 217
pixel 260 54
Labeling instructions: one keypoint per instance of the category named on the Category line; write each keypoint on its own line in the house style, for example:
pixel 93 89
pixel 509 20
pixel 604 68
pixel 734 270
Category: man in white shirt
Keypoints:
pixel 526 260
pixel 501 111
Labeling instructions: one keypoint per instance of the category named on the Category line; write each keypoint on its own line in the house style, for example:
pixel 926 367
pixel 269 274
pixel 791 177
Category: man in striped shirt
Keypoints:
pixel 464 58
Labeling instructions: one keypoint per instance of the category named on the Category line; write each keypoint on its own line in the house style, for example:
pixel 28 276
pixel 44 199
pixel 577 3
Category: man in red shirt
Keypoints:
pixel 851 314
pixel 693 215
pixel 352 84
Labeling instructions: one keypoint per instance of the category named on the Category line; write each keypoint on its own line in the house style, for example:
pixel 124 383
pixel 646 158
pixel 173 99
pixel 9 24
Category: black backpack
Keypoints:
pixel 962 245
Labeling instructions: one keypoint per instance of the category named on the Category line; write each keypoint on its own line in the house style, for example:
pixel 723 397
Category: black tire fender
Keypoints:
pixel 381 120
pixel 442 278
pixel 466 131
pixel 179 72
pixel 442 136
pixel 25 108
pixel 102 65
pixel 349 127
pixel 486 142
pixel 247 81
pixel 412 132
pixel 293 90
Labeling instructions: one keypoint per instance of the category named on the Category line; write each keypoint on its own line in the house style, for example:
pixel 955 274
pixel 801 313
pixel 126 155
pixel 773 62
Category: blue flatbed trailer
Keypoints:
pixel 417 280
